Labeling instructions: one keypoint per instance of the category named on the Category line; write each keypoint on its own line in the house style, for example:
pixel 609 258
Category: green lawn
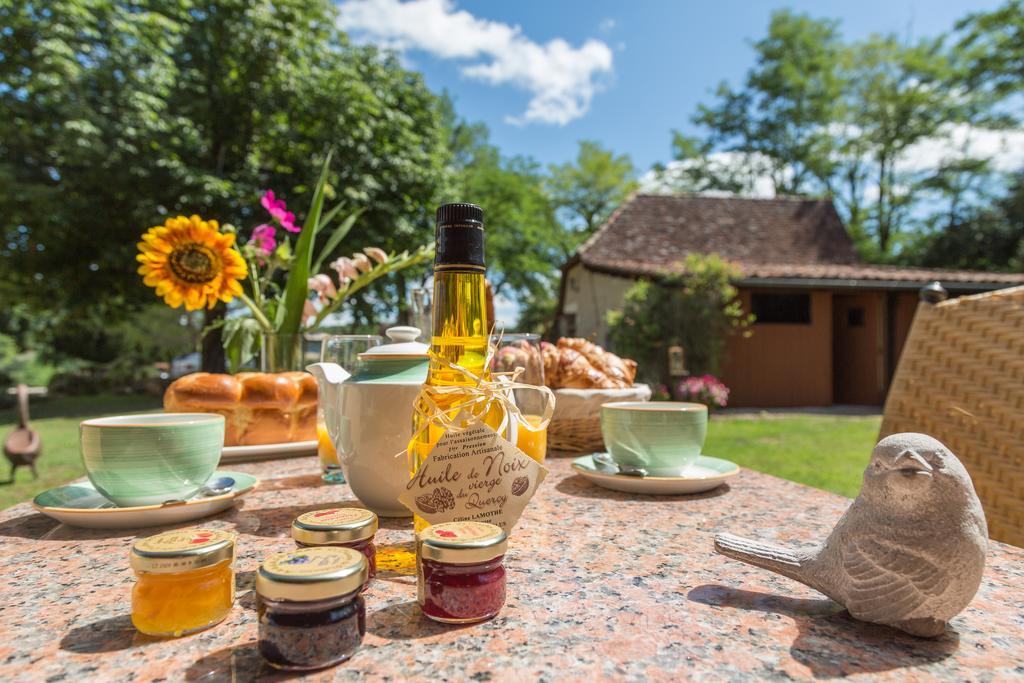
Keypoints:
pixel 821 451
pixel 56 420
pixel 818 450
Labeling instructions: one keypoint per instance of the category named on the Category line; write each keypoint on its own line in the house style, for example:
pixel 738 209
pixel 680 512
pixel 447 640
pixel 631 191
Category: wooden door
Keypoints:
pixel 858 348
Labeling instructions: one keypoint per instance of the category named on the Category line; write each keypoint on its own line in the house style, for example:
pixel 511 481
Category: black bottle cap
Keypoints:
pixel 459 214
pixel 460 237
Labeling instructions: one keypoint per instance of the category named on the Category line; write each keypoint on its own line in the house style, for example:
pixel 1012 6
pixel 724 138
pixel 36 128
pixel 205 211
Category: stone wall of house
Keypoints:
pixel 588 297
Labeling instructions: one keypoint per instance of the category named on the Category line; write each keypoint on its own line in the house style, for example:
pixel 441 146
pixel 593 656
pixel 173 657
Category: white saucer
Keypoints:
pixel 267 451
pixel 82 505
pixel 704 474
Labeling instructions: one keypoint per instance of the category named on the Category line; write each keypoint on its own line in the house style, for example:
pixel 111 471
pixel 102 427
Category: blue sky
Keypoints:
pixel 544 74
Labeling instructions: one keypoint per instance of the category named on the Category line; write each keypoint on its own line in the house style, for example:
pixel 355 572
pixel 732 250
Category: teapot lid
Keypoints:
pixel 403 346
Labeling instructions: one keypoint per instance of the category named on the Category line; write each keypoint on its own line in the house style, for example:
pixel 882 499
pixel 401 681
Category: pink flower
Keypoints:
pixel 263 239
pixel 323 286
pixel 288 222
pixel 377 254
pixel 362 263
pixel 346 269
pixel 279 210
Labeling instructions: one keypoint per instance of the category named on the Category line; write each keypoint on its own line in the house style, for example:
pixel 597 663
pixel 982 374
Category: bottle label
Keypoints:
pixel 473 475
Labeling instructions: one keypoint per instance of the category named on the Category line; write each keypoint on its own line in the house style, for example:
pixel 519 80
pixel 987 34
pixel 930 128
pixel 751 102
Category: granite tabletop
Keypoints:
pixel 601 585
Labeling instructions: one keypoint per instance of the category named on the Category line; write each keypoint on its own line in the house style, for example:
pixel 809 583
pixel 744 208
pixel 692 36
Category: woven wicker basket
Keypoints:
pixel 576 424
pixel 961 379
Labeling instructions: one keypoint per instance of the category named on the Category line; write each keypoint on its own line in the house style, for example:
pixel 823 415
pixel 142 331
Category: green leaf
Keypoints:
pixel 335 239
pixel 242 340
pixel 289 315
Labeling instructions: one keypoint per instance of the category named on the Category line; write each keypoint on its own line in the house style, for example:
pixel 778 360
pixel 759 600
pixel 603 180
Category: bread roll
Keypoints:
pixel 258 408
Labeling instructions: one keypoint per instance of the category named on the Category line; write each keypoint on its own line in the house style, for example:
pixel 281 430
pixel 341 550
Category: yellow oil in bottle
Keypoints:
pixel 460 328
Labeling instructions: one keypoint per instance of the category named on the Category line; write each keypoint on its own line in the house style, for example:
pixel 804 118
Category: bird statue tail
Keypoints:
pixel 772 557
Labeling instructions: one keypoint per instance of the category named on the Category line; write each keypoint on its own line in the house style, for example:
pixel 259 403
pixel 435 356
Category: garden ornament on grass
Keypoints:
pixel 909 552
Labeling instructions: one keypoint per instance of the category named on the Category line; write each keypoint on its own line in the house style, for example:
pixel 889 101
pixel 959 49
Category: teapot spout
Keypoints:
pixel 329 378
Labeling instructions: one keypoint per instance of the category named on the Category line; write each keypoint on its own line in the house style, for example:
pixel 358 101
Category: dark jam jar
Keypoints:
pixel 347 527
pixel 461 575
pixel 311 613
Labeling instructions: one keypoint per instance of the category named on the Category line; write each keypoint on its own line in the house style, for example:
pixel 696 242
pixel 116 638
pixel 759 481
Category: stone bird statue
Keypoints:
pixel 909 552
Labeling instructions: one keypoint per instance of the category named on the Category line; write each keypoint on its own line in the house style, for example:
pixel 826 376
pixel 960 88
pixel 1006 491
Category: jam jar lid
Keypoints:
pixel 311 574
pixel 182 549
pixel 334 525
pixel 462 542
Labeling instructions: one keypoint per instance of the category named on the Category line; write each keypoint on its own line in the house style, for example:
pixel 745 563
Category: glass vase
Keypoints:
pixel 283 353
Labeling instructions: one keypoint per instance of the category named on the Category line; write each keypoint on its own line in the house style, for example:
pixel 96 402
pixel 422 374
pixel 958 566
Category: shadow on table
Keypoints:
pixel 301 481
pixel 405 621
pixel 237 663
pixel 578 485
pixel 105 635
pixel 831 642
pixel 31 526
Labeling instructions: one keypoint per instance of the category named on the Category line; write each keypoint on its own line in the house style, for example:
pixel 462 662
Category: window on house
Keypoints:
pixel 791 309
pixel 855 317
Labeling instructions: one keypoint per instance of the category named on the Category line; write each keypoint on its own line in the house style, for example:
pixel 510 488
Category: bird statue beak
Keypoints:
pixel 911 462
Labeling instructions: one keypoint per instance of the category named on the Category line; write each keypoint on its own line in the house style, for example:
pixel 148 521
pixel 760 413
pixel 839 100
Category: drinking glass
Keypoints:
pixel 343 349
pixel 522 350
pixel 419 299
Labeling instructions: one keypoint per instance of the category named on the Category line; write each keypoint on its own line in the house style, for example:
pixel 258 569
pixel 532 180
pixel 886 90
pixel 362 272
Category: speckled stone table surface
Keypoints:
pixel 601 585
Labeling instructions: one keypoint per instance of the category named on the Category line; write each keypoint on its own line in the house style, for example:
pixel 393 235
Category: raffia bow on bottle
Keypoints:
pixel 476 398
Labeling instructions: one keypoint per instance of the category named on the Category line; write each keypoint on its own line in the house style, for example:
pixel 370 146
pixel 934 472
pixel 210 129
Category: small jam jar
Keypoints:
pixel 311 613
pixel 461 575
pixel 348 527
pixel 184 581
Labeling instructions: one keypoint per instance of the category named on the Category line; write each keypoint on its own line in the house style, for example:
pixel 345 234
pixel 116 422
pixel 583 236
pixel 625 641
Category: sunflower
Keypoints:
pixel 188 260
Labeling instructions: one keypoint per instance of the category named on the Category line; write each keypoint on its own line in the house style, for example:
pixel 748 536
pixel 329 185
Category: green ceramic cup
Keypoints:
pixel 150 459
pixel 662 435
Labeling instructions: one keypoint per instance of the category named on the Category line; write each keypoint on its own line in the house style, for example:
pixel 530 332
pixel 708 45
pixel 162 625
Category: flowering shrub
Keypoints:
pixel 705 389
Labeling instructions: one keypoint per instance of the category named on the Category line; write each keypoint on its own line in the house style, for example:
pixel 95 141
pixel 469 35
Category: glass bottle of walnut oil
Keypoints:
pixel 460 327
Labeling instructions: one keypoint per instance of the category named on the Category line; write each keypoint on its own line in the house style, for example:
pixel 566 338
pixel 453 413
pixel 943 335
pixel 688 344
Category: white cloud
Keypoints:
pixel 607 25
pixel 561 79
pixel 746 169
pixel 1003 148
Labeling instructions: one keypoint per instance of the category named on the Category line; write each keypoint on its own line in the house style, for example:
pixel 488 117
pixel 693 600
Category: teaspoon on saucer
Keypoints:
pixel 606 460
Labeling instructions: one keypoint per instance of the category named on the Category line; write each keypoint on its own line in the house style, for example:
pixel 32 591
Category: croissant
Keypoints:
pixel 576 372
pixel 616 369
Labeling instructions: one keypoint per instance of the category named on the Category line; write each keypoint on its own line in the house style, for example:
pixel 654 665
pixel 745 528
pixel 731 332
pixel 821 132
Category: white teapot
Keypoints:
pixel 369 417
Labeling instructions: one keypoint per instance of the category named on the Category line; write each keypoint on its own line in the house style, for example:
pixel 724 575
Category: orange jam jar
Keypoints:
pixel 348 527
pixel 184 581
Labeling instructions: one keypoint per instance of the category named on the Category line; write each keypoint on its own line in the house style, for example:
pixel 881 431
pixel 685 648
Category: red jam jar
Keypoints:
pixel 460 571
pixel 347 527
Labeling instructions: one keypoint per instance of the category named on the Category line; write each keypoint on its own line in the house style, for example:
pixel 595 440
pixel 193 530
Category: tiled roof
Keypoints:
pixel 784 239
pixel 657 231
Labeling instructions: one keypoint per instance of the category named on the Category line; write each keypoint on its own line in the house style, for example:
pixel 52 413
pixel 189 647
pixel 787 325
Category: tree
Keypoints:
pixel 895 98
pixel 780 118
pixel 818 116
pixel 978 237
pixel 525 241
pixel 117 114
pixel 593 186
pixel 991 50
